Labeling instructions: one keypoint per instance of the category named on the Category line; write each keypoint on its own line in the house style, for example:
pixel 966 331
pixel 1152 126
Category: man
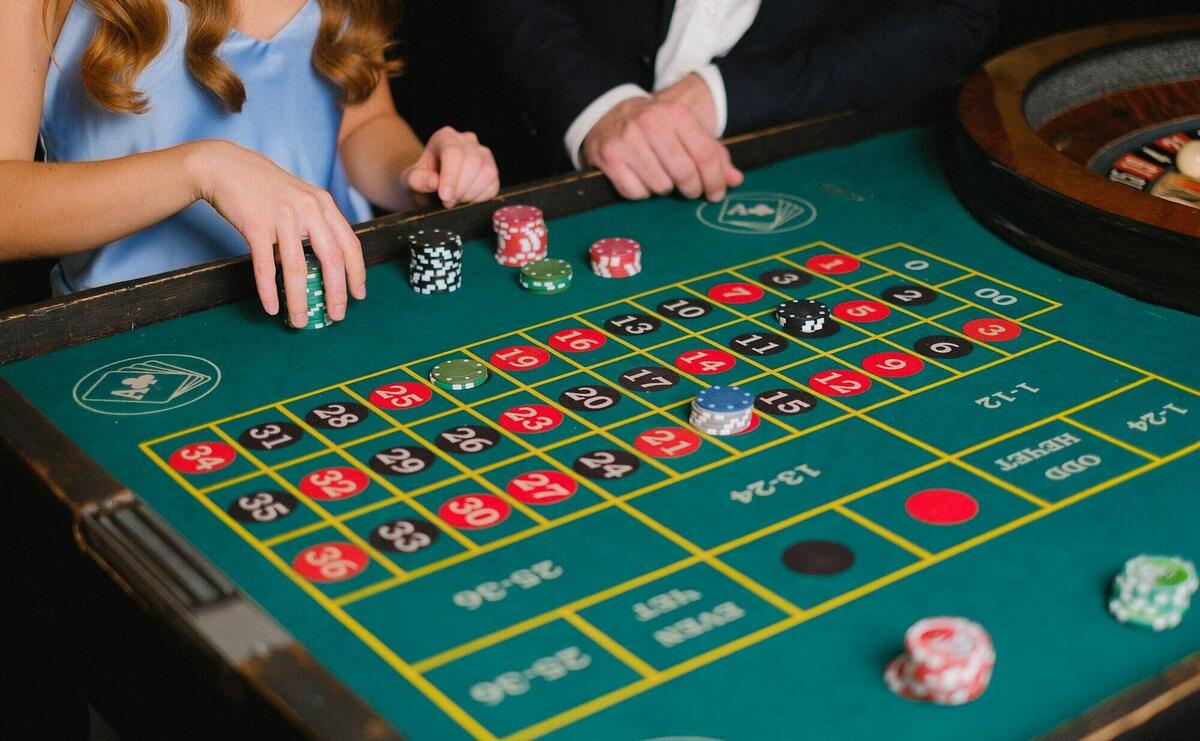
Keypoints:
pixel 644 89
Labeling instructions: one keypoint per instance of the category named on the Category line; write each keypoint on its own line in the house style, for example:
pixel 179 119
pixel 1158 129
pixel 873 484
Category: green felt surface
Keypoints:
pixel 741 647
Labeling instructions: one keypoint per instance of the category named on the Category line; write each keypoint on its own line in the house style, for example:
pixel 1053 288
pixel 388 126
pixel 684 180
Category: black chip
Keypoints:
pixel 271 436
pixel 828 329
pixel 684 308
pixel 401 460
pixel 589 398
pixel 759 343
pixel 467 439
pixel 632 325
pixel 336 415
pixel 943 346
pixel 907 294
pixel 407 535
pixel 786 278
pixel 649 378
pixel 606 464
pixel 262 507
pixel 818 557
pixel 785 402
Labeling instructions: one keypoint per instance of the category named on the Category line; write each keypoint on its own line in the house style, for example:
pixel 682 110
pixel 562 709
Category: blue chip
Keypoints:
pixel 724 399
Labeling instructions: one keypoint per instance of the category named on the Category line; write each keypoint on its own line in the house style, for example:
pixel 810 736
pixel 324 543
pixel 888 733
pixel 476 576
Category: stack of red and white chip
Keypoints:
pixel 949 662
pixel 520 235
pixel 616 257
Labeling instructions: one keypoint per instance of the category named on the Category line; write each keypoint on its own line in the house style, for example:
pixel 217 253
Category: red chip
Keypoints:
pixel 334 483
pixel 992 330
pixel 861 311
pixel 474 511
pixel 202 457
pixel 541 488
pixel 520 358
pixel 941 507
pixel 516 217
pixel 735 293
pixel 613 251
pixel 401 395
pixel 832 264
pixel 330 562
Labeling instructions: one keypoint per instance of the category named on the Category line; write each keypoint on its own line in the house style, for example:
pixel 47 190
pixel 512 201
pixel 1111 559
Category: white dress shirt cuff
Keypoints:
pixel 716 88
pixel 583 123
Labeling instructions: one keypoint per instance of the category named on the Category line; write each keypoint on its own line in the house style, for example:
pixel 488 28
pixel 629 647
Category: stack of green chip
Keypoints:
pixel 546 276
pixel 314 292
pixel 459 374
pixel 1153 591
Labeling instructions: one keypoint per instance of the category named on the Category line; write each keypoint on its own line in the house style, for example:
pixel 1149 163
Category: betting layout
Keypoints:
pixel 503 495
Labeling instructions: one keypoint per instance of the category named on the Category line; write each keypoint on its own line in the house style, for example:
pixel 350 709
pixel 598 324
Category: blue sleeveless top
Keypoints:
pixel 291 115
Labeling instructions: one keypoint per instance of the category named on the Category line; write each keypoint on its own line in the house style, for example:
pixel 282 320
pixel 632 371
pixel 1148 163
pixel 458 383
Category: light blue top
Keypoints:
pixel 291 115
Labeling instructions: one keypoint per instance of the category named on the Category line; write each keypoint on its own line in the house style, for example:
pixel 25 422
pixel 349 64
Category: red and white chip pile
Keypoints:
pixel 616 257
pixel 520 235
pixel 949 661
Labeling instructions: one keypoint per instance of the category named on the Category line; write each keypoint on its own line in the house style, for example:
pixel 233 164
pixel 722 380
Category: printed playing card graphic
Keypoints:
pixel 758 213
pixel 145 382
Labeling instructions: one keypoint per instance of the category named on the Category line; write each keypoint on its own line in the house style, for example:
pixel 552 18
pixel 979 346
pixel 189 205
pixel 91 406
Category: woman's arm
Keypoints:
pixel 385 162
pixel 49 209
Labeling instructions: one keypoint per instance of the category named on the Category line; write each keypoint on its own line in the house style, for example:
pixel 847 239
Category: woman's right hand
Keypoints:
pixel 272 208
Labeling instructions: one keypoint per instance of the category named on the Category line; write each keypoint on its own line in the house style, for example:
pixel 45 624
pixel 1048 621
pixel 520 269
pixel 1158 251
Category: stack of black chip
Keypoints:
pixel 435 261
pixel 802 316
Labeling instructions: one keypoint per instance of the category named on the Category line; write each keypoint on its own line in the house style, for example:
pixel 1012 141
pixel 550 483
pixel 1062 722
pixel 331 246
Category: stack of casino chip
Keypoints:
pixel 458 374
pixel 1153 591
pixel 616 257
pixel 722 410
pixel 802 315
pixel 521 235
pixel 435 261
pixel 314 291
pixel 949 661
pixel 546 276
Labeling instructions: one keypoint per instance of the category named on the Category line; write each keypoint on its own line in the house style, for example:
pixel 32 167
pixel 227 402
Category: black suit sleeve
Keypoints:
pixel 554 58
pixel 789 65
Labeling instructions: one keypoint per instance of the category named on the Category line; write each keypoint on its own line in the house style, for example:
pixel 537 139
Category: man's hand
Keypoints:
pixel 651 145
pixel 692 93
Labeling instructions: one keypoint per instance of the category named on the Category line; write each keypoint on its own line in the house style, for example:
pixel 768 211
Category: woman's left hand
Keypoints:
pixel 455 166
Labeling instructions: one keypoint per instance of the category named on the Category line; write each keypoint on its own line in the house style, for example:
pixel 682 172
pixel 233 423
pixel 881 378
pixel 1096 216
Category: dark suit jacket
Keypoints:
pixel 799 58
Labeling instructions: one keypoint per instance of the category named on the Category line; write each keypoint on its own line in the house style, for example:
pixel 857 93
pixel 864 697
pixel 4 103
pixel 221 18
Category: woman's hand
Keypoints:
pixel 272 208
pixel 455 166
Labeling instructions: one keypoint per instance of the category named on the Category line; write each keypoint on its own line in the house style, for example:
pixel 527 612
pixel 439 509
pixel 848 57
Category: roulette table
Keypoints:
pixel 316 540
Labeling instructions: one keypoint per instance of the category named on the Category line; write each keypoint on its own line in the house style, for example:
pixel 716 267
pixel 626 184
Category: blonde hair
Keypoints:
pixel 349 48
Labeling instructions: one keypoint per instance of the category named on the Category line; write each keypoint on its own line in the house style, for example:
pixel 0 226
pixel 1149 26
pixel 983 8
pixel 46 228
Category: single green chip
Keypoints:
pixel 551 269
pixel 458 374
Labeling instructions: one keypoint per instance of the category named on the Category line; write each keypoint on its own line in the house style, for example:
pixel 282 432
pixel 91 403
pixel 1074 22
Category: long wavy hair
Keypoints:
pixel 349 49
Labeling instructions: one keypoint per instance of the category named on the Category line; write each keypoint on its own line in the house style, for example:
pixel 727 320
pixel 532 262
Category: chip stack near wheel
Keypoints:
pixel 546 277
pixel 435 261
pixel 722 410
pixel 1153 591
pixel 521 235
pixel 458 374
pixel 314 293
pixel 616 257
pixel 949 661
pixel 802 315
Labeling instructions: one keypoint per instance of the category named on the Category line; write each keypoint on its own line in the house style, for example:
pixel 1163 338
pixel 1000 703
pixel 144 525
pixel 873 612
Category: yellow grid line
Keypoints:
pixel 626 656
pixel 883 532
pixel 798 616
pixel 1108 438
pixel 321 512
pixel 462 467
pixel 398 494
pixel 636 688
pixel 416 679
